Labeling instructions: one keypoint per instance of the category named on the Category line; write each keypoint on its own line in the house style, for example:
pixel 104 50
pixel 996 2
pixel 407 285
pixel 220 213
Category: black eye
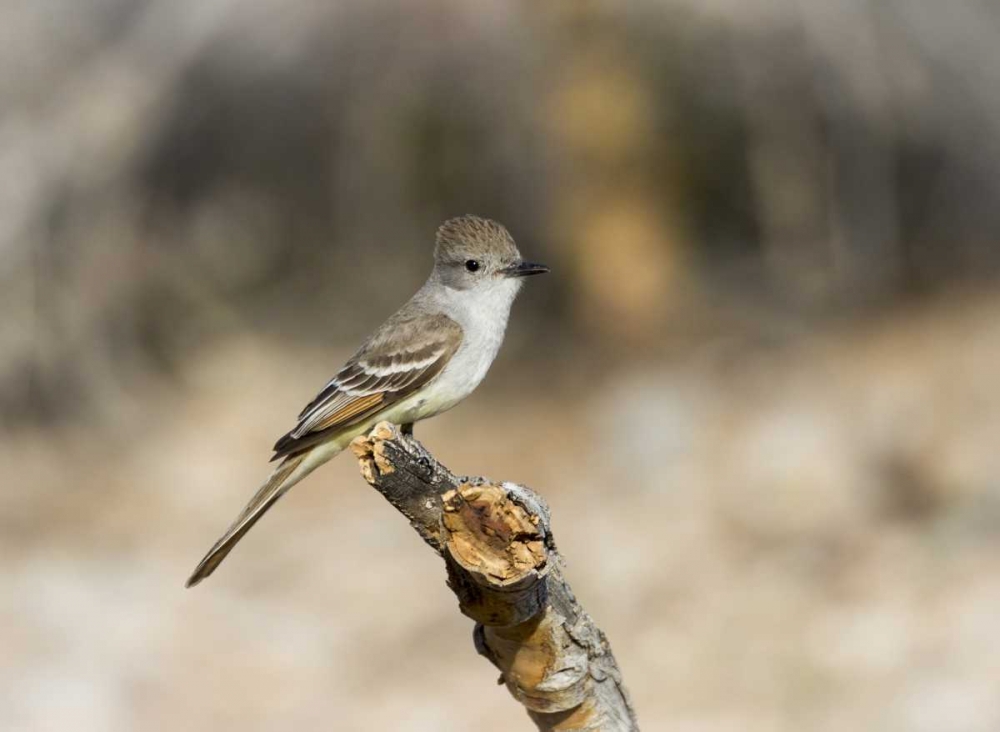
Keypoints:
pixel 472 265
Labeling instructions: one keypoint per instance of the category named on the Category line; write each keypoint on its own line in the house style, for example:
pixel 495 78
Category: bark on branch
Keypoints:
pixel 503 567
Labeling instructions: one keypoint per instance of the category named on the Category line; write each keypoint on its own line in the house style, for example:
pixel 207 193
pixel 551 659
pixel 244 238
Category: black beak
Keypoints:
pixel 525 269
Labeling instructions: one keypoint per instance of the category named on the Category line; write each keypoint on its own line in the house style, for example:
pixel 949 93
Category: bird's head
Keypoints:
pixel 474 252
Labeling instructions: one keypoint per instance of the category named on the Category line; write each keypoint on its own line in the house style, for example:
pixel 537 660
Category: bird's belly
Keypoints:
pixel 459 379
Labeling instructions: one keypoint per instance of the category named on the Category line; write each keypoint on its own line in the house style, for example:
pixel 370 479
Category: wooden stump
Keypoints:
pixel 504 569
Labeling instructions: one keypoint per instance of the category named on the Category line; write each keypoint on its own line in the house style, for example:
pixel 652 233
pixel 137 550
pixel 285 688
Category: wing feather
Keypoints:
pixel 403 356
pixel 352 408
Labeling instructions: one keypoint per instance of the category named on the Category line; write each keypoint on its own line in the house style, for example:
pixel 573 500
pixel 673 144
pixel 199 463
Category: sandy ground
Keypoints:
pixel 809 541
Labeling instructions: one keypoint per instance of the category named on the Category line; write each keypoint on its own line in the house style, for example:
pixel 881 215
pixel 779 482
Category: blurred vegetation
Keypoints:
pixel 174 171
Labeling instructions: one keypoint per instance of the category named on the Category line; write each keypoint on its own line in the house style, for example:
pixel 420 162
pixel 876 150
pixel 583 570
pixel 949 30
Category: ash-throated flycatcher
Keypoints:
pixel 424 360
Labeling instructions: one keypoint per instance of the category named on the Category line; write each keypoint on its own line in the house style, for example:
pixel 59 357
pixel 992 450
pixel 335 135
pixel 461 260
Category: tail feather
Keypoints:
pixel 284 477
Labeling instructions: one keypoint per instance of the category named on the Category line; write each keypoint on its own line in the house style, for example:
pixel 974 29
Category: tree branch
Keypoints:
pixel 504 569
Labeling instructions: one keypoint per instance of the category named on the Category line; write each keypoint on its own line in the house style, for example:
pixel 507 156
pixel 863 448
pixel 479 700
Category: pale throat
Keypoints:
pixel 483 311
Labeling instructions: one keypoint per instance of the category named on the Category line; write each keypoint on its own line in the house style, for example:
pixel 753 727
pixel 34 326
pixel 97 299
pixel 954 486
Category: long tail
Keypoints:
pixel 289 472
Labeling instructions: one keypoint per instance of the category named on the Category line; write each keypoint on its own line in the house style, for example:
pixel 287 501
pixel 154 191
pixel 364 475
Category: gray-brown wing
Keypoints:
pixel 403 355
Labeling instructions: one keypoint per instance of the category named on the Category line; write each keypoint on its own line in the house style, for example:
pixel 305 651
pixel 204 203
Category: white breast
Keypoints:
pixel 483 314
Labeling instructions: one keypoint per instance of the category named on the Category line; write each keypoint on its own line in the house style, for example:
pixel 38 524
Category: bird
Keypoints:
pixel 425 359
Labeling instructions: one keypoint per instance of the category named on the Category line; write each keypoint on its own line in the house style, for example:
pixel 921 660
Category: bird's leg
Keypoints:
pixel 407 429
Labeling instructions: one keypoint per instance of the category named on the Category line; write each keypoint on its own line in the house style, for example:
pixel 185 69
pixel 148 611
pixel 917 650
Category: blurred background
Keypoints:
pixel 759 388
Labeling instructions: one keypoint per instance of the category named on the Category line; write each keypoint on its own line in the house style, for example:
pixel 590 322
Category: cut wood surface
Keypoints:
pixel 503 567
